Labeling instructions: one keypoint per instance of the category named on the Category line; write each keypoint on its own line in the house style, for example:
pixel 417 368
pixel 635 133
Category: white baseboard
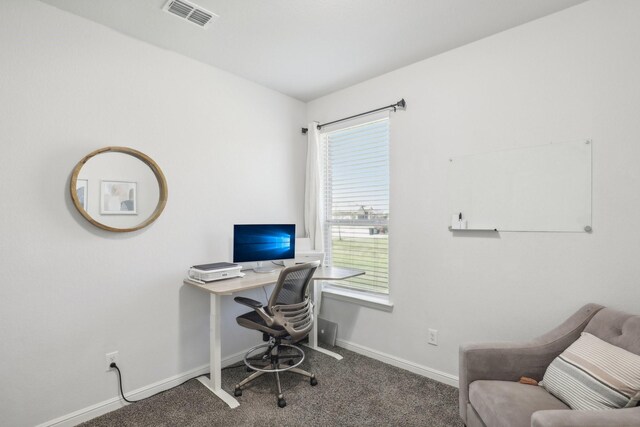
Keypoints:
pixel 425 371
pixel 114 403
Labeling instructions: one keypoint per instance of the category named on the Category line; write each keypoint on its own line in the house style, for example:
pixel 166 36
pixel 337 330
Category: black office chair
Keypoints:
pixel 287 318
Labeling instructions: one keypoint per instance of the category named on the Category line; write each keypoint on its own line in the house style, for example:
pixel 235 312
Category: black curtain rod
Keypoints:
pixel 400 104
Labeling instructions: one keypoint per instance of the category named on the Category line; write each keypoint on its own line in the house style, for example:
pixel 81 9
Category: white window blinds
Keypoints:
pixel 356 194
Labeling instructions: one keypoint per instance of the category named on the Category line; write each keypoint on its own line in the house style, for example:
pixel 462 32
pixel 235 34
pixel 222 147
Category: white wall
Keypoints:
pixel 231 152
pixel 572 75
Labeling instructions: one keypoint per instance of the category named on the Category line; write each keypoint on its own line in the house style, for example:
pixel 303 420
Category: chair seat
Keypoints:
pixel 252 320
pixel 510 404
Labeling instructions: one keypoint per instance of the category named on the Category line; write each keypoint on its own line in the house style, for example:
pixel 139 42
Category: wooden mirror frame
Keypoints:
pixel 162 187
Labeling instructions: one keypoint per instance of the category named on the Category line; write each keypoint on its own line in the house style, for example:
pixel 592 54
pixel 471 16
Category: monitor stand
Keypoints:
pixel 261 268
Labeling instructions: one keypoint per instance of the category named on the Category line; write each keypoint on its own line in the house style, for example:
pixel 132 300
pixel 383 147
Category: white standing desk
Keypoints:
pixel 254 280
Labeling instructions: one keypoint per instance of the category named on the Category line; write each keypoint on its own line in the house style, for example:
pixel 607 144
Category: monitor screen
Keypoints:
pixel 263 242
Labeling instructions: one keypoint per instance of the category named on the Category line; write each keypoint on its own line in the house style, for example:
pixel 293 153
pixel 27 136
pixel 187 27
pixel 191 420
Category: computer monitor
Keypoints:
pixel 263 242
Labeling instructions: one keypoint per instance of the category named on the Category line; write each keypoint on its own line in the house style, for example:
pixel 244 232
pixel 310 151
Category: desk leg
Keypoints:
pixel 215 356
pixel 313 335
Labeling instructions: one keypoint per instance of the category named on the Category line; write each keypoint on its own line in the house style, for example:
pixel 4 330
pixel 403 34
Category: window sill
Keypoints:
pixel 378 302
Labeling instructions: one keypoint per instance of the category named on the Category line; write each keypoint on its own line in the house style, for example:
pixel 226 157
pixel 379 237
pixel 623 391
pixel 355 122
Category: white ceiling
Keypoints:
pixel 309 48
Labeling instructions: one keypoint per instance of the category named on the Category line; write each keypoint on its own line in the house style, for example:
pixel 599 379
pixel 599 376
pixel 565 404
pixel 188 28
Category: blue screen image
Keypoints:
pixel 263 242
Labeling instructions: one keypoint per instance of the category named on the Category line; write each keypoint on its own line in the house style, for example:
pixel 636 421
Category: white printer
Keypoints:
pixel 304 253
pixel 215 271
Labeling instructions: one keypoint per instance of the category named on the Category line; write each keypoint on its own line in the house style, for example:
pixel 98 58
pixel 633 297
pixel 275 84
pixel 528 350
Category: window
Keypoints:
pixel 356 208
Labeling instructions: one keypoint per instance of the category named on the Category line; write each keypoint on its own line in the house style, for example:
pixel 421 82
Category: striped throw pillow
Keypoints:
pixel 593 374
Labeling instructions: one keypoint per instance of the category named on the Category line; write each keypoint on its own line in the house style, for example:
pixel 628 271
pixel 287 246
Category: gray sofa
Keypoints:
pixel 490 395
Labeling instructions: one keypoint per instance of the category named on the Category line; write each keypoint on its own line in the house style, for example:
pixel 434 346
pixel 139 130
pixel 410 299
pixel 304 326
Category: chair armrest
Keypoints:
pixel 628 417
pixel 248 302
pixel 258 307
pixel 510 361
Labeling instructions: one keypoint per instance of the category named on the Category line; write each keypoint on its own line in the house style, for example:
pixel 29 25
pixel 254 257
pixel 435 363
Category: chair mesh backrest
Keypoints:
pixel 292 285
pixel 289 304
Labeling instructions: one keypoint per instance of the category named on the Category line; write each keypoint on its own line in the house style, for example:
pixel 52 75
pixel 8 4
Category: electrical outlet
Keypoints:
pixel 433 337
pixel 111 358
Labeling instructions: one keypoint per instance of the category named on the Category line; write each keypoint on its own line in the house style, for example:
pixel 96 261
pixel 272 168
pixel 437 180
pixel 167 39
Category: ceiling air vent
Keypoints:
pixel 190 12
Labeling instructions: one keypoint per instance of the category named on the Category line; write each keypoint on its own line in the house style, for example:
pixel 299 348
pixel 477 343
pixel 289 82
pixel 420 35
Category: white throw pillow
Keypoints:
pixel 593 374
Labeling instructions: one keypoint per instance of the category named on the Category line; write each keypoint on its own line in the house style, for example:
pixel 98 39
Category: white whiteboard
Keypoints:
pixel 543 188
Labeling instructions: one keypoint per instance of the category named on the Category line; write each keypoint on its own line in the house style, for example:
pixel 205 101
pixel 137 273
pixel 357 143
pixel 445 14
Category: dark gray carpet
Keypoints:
pixel 355 391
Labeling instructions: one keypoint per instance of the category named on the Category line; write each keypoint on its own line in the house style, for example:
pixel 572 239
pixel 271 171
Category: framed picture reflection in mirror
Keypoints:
pixel 118 198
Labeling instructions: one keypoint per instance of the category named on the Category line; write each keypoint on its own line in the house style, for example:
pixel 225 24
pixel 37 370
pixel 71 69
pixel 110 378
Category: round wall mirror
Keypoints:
pixel 118 189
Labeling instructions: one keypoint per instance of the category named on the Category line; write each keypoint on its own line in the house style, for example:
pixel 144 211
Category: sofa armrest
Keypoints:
pixel 629 417
pixel 510 361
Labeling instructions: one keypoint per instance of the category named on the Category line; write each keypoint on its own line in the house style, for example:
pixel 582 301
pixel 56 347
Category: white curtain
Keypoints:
pixel 313 190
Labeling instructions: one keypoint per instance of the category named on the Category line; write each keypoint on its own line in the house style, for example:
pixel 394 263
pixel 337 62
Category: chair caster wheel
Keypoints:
pixel 282 403
pixel 237 392
pixel 313 381
pixel 291 362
